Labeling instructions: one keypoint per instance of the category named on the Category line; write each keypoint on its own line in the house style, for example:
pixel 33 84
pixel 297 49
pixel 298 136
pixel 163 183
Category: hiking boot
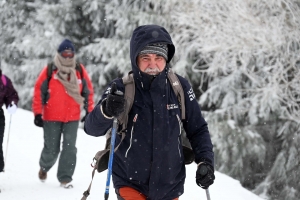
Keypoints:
pixel 66 185
pixel 42 175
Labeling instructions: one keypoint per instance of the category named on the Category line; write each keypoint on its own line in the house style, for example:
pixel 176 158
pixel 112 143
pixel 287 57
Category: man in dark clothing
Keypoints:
pixel 9 97
pixel 149 163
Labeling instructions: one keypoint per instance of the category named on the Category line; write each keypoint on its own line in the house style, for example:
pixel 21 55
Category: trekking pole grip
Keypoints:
pixel 203 171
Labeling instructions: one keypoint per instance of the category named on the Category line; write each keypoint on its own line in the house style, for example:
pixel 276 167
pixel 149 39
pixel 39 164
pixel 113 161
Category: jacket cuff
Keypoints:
pixel 205 161
pixel 101 109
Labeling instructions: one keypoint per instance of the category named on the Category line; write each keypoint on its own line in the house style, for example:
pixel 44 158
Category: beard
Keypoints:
pixel 150 71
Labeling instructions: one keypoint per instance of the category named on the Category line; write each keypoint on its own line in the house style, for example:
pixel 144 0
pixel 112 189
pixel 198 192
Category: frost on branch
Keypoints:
pixel 247 54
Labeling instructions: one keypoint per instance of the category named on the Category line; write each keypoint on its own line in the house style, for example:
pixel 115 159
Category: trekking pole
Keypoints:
pixel 7 141
pixel 207 194
pixel 112 143
pixel 111 157
pixel 203 171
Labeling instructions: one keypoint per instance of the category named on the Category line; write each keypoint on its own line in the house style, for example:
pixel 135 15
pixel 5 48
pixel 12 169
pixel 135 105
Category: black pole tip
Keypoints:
pixel 106 196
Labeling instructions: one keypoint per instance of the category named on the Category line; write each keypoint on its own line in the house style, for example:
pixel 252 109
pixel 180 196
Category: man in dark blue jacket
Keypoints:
pixel 149 163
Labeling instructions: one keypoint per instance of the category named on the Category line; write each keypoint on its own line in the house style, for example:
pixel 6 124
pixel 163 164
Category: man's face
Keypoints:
pixel 151 64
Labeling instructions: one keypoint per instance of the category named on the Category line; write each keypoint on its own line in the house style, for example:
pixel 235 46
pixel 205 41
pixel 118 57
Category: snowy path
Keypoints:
pixel 20 181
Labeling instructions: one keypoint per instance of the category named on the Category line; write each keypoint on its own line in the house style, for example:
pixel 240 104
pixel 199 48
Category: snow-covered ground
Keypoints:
pixel 20 180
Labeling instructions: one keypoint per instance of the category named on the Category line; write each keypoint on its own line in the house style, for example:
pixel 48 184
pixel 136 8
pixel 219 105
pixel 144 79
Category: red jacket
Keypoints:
pixel 56 104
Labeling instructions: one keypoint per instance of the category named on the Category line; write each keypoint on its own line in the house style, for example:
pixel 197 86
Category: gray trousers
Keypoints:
pixel 53 131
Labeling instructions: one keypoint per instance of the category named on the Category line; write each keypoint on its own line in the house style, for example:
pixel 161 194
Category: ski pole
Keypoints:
pixel 203 171
pixel 7 142
pixel 111 157
pixel 207 194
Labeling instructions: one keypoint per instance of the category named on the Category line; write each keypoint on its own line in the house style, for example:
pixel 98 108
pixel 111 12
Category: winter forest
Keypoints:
pixel 241 57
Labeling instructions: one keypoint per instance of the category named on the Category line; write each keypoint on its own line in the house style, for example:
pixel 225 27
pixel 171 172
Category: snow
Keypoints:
pixel 20 180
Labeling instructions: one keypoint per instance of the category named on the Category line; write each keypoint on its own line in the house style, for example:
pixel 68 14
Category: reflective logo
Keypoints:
pixel 191 94
pixel 175 83
pixel 171 106
pixel 107 91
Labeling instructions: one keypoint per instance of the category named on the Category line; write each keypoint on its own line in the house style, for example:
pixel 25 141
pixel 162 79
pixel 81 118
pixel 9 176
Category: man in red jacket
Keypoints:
pixel 57 103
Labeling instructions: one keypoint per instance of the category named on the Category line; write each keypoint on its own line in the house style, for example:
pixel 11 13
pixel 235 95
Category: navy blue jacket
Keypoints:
pixel 150 158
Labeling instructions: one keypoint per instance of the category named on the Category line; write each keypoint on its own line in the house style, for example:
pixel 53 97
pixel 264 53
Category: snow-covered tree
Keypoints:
pixel 31 33
pixel 241 57
pixel 248 55
pixel 101 31
pixel 107 56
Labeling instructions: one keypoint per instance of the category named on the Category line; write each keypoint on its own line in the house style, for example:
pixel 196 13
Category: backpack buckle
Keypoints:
pixel 94 163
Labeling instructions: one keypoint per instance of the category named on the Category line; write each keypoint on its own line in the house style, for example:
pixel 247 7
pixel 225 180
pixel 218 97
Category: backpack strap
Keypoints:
pixel 177 87
pixel 79 68
pixel 3 79
pixel 128 82
pixel 51 67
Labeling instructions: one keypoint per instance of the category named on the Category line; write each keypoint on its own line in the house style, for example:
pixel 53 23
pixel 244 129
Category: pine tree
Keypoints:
pixel 107 56
pixel 248 54
pixel 18 24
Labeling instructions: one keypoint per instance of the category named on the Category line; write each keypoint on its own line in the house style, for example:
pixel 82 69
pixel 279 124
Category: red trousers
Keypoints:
pixel 128 193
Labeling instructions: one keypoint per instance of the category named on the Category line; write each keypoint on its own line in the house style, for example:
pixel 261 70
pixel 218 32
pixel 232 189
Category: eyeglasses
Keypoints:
pixel 67 54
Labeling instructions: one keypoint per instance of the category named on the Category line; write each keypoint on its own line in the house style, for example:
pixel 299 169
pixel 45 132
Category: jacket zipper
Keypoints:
pixel 179 122
pixel 132 128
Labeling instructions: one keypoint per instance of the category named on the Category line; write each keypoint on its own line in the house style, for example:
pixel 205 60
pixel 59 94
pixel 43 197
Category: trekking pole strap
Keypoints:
pixel 87 192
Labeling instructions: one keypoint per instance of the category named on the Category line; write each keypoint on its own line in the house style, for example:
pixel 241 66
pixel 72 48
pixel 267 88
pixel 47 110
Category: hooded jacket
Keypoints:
pixel 150 158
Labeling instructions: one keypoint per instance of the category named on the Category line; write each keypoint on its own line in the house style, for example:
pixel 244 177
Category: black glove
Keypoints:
pixel 83 119
pixel 205 175
pixel 38 121
pixel 114 105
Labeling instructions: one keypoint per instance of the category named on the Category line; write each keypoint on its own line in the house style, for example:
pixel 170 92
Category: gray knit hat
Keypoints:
pixel 158 48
